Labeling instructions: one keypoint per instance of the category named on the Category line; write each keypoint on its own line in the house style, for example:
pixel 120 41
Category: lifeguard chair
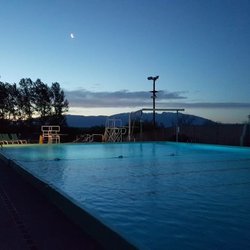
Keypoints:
pixel 50 134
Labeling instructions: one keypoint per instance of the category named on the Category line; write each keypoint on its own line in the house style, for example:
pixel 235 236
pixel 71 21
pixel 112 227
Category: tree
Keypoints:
pixel 42 99
pixel 3 98
pixel 31 99
pixel 59 103
pixel 26 98
pixel 11 101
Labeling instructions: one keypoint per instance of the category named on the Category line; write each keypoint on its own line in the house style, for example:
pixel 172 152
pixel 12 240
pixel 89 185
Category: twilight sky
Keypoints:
pixel 102 51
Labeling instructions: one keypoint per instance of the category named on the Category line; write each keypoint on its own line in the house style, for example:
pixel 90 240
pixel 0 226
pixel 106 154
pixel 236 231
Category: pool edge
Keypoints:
pixel 107 238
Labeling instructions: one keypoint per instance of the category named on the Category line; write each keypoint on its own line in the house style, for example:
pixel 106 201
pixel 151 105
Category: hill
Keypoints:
pixel 165 119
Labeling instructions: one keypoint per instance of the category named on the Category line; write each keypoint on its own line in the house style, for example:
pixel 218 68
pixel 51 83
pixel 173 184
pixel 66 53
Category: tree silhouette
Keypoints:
pixel 42 99
pixel 3 98
pixel 26 98
pixel 8 101
pixel 60 105
pixel 32 99
pixel 11 102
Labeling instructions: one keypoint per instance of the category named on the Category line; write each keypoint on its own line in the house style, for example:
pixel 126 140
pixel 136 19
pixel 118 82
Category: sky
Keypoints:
pixel 102 51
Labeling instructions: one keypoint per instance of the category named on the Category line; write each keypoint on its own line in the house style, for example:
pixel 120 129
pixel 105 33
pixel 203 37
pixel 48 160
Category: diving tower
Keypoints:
pixel 139 114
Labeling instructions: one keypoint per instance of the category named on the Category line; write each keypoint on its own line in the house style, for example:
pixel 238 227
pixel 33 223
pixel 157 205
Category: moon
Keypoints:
pixel 72 35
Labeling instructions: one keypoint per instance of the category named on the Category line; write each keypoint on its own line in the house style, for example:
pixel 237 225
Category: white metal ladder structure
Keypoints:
pixel 114 131
pixel 50 134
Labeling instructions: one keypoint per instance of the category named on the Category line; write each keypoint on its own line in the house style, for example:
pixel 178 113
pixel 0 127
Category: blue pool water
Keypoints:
pixel 156 195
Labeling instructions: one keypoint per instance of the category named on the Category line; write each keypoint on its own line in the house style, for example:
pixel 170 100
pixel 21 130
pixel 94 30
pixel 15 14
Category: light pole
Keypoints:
pixel 154 95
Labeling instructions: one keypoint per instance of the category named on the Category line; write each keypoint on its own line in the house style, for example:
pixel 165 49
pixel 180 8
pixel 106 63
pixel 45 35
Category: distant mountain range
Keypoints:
pixel 165 119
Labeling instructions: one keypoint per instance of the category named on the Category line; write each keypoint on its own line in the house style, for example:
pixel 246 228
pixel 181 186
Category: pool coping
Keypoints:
pixel 107 237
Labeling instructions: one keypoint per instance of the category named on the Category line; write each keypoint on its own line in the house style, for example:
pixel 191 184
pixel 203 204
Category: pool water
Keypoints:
pixel 156 195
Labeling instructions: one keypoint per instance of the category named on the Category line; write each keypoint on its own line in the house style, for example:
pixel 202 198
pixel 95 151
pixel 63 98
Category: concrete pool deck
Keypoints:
pixel 29 221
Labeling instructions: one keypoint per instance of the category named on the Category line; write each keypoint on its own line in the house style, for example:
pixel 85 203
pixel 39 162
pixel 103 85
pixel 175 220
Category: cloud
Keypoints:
pixel 141 99
pixel 122 98
pixel 213 105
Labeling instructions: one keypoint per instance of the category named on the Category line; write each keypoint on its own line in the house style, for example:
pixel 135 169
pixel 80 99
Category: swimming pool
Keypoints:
pixel 156 195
